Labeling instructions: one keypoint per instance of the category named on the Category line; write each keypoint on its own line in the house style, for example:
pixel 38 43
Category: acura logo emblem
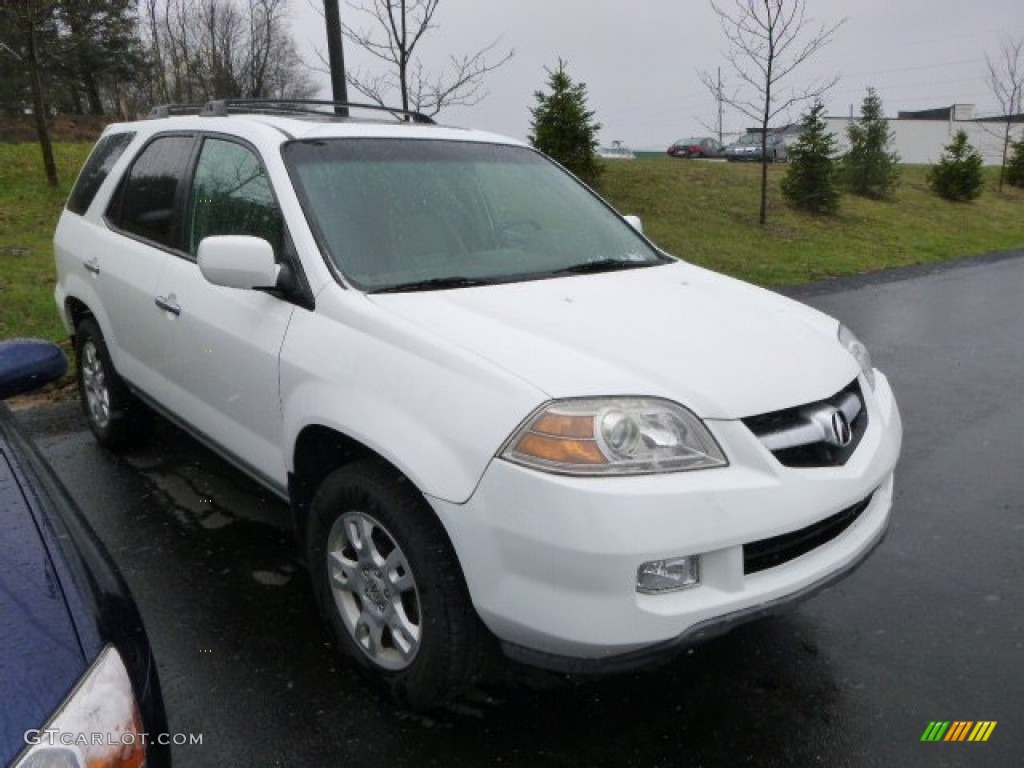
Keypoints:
pixel 841 432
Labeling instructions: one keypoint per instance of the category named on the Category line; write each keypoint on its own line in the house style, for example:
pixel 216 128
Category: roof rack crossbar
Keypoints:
pixel 166 110
pixel 224 107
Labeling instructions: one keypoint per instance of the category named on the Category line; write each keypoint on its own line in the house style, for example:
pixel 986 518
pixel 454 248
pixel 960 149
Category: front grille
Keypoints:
pixel 768 553
pixel 815 452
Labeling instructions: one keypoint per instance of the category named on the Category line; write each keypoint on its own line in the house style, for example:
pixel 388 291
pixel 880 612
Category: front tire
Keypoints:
pixel 390 587
pixel 115 415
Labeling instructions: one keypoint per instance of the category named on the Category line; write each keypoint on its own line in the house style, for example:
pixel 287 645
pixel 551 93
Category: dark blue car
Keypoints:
pixel 78 683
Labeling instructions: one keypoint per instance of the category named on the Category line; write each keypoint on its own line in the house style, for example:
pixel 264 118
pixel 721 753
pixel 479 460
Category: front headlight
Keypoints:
pixel 860 353
pixel 97 726
pixel 614 436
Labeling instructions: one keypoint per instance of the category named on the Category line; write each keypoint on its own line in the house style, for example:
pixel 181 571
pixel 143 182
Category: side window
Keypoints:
pixel 145 202
pixel 231 195
pixel 107 152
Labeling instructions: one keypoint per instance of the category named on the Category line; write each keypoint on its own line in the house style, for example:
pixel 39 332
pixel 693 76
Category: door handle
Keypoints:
pixel 168 304
pixel 92 265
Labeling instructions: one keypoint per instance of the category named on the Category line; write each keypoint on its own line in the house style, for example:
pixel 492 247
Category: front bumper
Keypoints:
pixel 551 561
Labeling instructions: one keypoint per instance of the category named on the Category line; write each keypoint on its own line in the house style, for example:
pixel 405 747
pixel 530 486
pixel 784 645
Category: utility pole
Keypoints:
pixel 336 55
pixel 719 98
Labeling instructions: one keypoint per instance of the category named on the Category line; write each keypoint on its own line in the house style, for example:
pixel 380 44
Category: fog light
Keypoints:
pixel 668 575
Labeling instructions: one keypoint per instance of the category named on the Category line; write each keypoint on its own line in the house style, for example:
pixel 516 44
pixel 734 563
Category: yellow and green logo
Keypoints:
pixel 958 730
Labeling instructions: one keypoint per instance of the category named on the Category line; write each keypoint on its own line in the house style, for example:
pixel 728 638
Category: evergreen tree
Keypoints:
pixel 957 176
pixel 869 168
pixel 1015 164
pixel 810 181
pixel 87 52
pixel 563 128
pixel 104 53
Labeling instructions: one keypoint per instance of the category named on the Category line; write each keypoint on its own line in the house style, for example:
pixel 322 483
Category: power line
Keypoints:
pixel 920 67
pixel 901 43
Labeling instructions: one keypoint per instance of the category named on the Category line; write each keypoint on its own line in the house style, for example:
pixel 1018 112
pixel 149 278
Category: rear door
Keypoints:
pixel 125 259
pixel 221 349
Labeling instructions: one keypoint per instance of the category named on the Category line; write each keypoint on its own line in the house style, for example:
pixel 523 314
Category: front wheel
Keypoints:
pixel 390 587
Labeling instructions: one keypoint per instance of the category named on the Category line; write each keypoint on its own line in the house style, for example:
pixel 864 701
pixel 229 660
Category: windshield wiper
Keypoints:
pixel 602 265
pixel 435 284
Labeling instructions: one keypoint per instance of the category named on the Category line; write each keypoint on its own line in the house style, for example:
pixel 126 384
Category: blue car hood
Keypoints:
pixel 41 658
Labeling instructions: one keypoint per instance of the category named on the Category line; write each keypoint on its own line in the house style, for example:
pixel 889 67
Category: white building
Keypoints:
pixel 919 137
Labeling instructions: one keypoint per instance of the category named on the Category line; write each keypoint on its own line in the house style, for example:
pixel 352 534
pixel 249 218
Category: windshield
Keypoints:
pixel 422 214
pixel 750 138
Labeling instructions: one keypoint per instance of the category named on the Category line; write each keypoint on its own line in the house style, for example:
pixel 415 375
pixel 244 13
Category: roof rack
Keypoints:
pixel 166 110
pixel 296 107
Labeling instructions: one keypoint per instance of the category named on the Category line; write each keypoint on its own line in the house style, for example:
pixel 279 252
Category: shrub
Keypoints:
pixel 869 168
pixel 957 176
pixel 1015 164
pixel 810 183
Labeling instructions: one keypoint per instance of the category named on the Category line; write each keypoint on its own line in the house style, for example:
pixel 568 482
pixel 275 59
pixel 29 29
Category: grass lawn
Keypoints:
pixel 28 214
pixel 705 212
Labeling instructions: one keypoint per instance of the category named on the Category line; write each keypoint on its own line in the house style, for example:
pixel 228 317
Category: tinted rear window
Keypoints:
pixel 97 167
pixel 146 202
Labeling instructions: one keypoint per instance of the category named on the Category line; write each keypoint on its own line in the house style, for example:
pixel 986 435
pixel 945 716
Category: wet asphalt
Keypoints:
pixel 930 628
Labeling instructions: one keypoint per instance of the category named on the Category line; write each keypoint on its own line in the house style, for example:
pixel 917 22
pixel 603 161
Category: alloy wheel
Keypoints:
pixel 374 590
pixel 94 385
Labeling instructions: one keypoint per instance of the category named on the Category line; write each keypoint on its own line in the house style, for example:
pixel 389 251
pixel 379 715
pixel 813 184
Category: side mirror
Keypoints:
pixel 27 364
pixel 635 223
pixel 238 261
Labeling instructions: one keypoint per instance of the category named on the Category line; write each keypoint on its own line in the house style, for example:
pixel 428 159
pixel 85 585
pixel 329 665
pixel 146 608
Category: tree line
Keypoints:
pixel 117 57
pixel 816 175
pixel 120 57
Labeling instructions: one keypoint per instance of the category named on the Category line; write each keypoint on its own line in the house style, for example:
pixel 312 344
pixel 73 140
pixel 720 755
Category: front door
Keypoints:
pixel 222 347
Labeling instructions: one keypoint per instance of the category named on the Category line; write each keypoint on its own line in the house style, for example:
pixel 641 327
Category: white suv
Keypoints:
pixel 496 409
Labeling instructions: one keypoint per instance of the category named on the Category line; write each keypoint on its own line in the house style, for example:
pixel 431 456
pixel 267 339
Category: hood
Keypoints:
pixel 722 348
pixel 40 656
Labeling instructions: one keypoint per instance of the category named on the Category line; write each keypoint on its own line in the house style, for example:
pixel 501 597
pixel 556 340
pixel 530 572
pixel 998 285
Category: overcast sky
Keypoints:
pixel 640 58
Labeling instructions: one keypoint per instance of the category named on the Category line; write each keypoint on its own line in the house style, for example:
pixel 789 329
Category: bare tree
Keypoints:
pixel 1006 81
pixel 768 39
pixel 207 49
pixel 28 17
pixel 395 29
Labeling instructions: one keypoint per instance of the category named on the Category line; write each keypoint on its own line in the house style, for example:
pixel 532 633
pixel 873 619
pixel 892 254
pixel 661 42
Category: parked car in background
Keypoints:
pixel 617 151
pixel 77 678
pixel 696 147
pixel 748 148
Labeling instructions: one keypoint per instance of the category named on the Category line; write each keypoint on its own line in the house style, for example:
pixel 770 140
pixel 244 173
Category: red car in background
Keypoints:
pixel 703 147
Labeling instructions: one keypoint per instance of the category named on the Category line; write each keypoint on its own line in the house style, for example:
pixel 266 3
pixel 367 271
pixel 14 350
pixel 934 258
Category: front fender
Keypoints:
pixel 436 412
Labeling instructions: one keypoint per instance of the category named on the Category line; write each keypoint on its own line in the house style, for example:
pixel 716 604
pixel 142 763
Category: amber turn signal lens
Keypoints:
pixel 560 450
pixel 565 425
